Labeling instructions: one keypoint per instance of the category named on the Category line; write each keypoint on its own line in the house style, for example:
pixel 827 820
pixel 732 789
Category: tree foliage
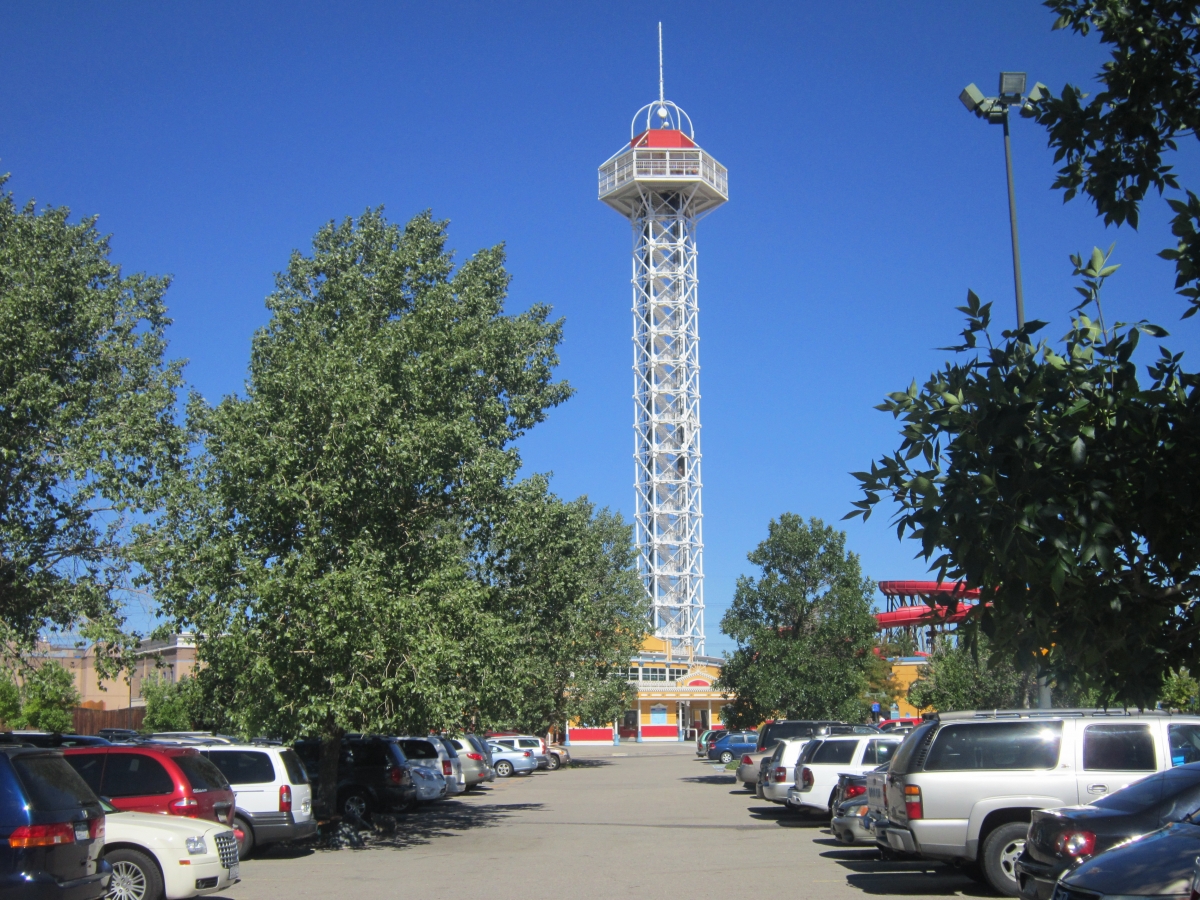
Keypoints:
pixel 170 705
pixel 1181 691
pixel 1061 486
pixel 562 576
pixel 317 544
pixel 86 424
pixel 48 696
pixel 1115 144
pixel 804 629
pixel 962 677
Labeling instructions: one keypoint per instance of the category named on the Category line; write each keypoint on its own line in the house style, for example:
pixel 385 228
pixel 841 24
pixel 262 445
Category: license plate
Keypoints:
pixel 81 831
pixel 875 794
pixel 235 872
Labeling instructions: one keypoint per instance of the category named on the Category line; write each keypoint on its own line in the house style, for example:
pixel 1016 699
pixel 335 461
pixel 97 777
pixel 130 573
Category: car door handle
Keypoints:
pixel 1097 788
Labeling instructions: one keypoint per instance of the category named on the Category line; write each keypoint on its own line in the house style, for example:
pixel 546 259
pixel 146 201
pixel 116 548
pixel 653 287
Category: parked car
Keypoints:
pixel 426 767
pixel 732 745
pixel 272 794
pixel 902 722
pixel 850 822
pixel 51 828
pixel 749 771
pixel 1160 866
pixel 452 770
pixel 772 732
pixel 557 756
pixel 512 761
pixel 963 786
pixel 474 763
pixel 709 738
pixel 1060 840
pixel 155 856
pixel 824 761
pixel 155 779
pixel 780 772
pixel 525 742
pixel 373 773
pixel 51 739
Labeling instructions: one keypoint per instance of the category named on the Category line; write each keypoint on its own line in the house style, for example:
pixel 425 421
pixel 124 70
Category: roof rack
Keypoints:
pixel 1071 713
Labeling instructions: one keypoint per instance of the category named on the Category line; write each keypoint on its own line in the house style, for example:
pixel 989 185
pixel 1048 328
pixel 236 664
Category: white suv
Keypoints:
pixel 273 799
pixel 824 760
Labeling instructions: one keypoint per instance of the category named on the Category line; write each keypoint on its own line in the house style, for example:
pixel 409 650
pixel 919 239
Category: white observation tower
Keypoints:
pixel 664 184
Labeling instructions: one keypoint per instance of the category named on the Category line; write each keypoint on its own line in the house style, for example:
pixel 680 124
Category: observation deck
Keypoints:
pixel 662 160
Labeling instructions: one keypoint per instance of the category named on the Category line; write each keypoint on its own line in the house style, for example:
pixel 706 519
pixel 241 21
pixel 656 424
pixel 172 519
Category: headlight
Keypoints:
pixel 196 845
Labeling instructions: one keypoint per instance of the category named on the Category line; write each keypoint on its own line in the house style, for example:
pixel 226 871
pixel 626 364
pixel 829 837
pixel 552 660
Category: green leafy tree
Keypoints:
pixel 563 577
pixel 87 427
pixel 318 542
pixel 48 697
pixel 1061 486
pixel 170 705
pixel 962 677
pixel 10 700
pixel 804 629
pixel 1115 145
pixel 1181 691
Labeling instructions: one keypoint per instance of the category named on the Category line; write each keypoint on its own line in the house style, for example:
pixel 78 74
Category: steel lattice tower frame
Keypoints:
pixel 664 183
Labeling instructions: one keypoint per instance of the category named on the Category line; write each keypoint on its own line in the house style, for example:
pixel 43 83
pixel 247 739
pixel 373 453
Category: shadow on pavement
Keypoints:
pixel 710 779
pixel 448 819
pixel 589 763
pixel 785 817
pixel 874 875
pixel 283 851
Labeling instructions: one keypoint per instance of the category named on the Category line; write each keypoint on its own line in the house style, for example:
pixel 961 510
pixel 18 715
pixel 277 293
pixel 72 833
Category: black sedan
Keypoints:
pixel 1062 839
pixel 1159 866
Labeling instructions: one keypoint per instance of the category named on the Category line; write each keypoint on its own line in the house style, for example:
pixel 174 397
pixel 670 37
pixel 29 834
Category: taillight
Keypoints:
pixel 806 779
pixel 285 798
pixel 478 757
pixel 747 761
pixel 447 769
pixel 854 790
pixel 912 802
pixel 96 827
pixel 529 753
pixel 393 774
pixel 780 774
pixel 188 806
pixel 1076 843
pixel 42 835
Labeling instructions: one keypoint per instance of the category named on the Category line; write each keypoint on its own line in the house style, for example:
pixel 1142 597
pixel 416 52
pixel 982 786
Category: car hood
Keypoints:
pixel 1159 863
pixel 156 829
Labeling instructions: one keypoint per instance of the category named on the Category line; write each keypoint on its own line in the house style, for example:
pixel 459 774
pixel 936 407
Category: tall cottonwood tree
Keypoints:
pixel 317 542
pixel 87 430
pixel 804 629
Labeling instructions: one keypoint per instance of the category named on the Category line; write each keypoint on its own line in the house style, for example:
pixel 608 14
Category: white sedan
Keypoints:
pixel 156 856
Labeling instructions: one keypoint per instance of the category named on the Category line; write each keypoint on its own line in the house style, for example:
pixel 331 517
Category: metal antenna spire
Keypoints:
pixel 661 96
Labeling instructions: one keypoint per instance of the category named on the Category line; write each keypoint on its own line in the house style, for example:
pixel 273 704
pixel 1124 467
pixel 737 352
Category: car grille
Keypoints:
pixel 227 849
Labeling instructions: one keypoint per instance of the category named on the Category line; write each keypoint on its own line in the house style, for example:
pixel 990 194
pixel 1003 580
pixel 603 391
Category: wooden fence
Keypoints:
pixel 90 721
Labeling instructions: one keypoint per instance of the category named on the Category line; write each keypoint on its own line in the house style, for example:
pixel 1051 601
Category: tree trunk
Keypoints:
pixel 331 752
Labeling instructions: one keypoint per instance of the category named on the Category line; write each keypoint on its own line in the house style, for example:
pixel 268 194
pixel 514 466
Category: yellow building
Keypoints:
pixel 171 660
pixel 676 699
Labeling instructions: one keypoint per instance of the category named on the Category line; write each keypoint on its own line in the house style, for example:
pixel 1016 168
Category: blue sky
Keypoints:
pixel 212 139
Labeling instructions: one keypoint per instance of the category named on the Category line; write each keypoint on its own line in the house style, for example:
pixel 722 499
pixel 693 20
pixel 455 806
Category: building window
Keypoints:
pixel 658 714
pixel 675 674
pixel 654 673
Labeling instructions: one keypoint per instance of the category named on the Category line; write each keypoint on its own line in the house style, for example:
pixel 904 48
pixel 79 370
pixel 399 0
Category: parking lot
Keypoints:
pixel 622 822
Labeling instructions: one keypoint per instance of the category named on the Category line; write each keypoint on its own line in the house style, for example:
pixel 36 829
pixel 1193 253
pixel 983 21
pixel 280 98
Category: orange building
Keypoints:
pixel 172 659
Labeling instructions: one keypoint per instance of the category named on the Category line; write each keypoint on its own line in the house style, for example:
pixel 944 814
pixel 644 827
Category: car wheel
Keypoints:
pixel 552 761
pixel 504 768
pixel 999 857
pixel 355 805
pixel 135 876
pixel 727 757
pixel 246 844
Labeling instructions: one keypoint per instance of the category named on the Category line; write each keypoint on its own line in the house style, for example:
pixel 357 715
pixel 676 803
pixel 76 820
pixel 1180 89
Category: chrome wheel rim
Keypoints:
pixel 1008 858
pixel 504 769
pixel 128 882
pixel 355 806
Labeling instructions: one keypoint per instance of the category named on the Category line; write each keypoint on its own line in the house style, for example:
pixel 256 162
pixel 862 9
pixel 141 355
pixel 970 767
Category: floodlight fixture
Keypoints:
pixel 972 98
pixel 1012 86
pixel 1039 93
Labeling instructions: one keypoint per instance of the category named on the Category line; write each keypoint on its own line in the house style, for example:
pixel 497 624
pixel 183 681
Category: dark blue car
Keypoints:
pixel 733 745
pixel 51 829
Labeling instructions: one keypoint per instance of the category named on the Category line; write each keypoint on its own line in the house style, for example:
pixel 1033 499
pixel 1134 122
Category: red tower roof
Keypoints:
pixel 662 137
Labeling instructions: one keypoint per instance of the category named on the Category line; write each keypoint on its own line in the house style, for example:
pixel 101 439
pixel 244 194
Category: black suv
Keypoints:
pixel 373 774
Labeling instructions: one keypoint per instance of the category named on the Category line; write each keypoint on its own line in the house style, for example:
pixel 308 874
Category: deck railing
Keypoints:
pixel 663 164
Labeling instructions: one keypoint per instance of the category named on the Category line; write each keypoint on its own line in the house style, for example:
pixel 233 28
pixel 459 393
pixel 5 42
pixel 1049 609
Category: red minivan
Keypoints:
pixel 174 780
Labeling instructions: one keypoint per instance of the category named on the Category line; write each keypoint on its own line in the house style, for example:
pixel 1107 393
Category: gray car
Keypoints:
pixel 475 766
pixel 512 761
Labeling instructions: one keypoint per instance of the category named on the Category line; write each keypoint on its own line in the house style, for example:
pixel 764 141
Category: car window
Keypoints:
pixel 918 737
pixel 244 766
pixel 370 753
pixel 450 751
pixel 89 766
pixel 529 744
pixel 996 745
pixel 1118 747
pixel 1185 743
pixel 809 751
pixel 835 752
pixel 296 772
pixel 201 774
pixel 135 775
pixel 50 784
pixel 878 752
pixel 418 749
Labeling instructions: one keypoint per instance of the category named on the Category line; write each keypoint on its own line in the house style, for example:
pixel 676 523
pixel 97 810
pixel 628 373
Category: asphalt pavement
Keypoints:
pixel 626 821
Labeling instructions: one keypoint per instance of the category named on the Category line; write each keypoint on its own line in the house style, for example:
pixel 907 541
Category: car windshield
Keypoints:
pixel 51 784
pixel 202 774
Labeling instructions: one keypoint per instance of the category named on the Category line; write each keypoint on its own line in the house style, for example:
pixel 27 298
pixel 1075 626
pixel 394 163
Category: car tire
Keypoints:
pixel 999 857
pixel 135 876
pixel 504 768
pixel 246 844
pixel 355 805
pixel 553 762
pixel 726 757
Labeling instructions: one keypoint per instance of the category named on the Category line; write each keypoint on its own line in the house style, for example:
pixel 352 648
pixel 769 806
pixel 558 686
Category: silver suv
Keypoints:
pixel 963 785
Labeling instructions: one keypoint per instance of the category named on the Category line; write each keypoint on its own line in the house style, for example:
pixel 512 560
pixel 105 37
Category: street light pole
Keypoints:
pixel 1012 220
pixel 995 110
